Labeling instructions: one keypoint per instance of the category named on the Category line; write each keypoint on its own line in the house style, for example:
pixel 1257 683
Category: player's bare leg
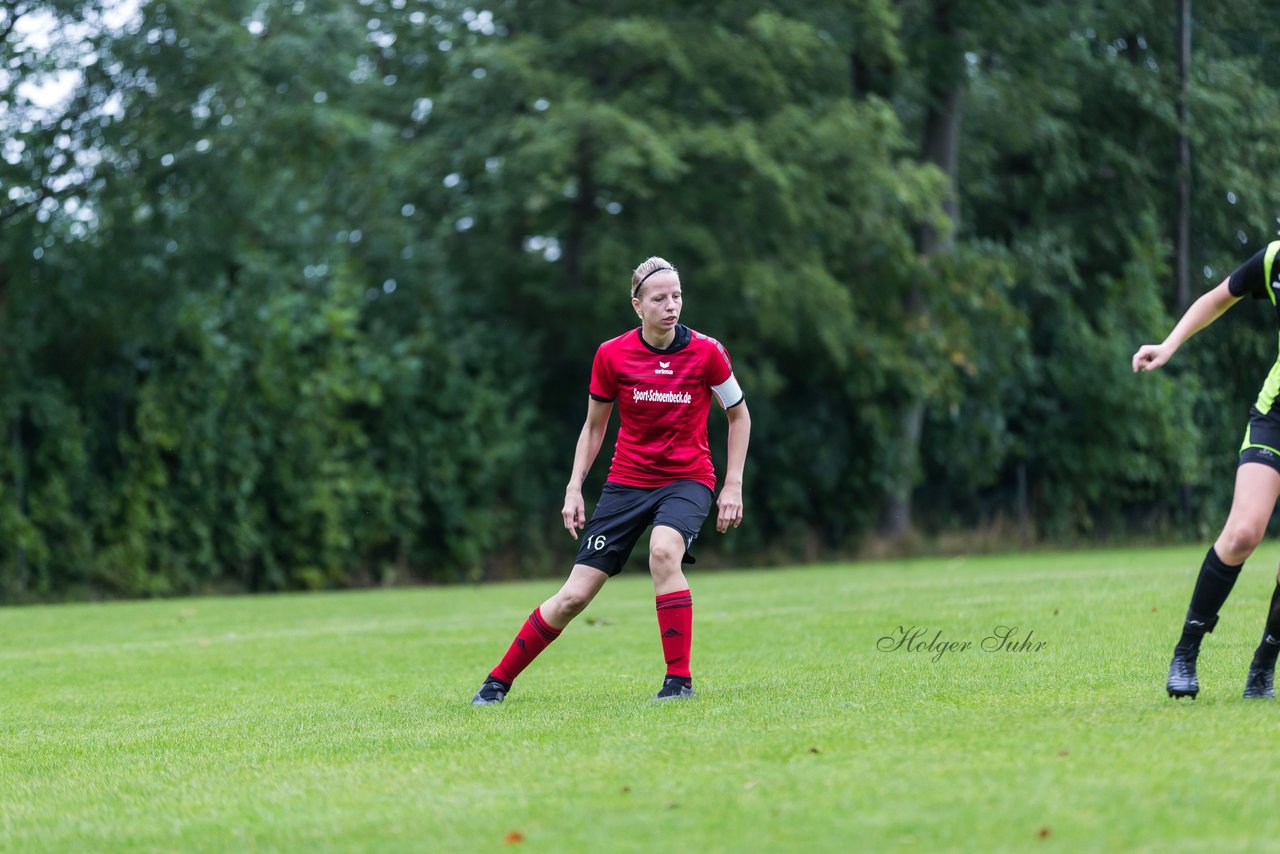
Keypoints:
pixel 1257 487
pixel 582 585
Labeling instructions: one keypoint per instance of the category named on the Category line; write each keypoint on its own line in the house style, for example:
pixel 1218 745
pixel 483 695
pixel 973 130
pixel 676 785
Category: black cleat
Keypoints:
pixel 675 688
pixel 1260 683
pixel 492 691
pixel 1182 674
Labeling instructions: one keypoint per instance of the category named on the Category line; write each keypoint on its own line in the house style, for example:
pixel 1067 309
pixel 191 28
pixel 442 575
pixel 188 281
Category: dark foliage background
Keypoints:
pixel 304 295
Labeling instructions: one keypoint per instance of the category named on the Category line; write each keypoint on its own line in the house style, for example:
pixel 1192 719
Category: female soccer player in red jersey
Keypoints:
pixel 662 376
pixel 1256 489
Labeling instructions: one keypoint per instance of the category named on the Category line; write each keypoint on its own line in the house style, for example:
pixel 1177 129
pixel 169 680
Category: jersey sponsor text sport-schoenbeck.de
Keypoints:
pixel 663 397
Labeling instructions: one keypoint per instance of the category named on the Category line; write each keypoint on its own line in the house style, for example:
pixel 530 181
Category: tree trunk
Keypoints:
pixel 584 212
pixel 868 79
pixel 19 497
pixel 1184 159
pixel 19 483
pixel 896 517
pixel 1024 505
pixel 941 147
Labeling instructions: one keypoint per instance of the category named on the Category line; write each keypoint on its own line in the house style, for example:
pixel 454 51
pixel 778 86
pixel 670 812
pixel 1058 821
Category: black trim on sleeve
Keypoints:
pixel 1247 279
pixel 741 400
pixel 600 399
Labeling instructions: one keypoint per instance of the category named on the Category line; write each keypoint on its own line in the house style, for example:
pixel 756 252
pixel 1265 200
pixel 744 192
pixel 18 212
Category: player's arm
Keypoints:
pixel 1211 305
pixel 589 441
pixel 730 501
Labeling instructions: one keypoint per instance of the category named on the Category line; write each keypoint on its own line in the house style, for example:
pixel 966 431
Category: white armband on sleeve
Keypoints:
pixel 728 392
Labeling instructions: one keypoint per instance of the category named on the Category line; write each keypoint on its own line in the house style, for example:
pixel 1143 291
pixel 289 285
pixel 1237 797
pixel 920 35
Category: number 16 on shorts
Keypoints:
pixel 596 543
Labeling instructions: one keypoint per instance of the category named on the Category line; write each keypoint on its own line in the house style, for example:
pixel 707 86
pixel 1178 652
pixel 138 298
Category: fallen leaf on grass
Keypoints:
pixel 515 837
pixel 1044 833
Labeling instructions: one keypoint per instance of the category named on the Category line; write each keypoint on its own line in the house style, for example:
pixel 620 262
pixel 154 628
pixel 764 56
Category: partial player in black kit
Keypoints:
pixel 1256 489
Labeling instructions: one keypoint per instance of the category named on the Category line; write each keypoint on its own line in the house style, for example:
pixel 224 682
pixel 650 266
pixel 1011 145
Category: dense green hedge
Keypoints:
pixel 303 296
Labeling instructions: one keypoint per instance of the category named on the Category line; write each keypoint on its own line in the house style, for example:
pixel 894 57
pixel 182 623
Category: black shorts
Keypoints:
pixel 1262 439
pixel 624 512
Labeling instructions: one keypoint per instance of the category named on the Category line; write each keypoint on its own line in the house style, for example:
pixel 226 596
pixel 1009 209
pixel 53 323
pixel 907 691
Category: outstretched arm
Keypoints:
pixel 589 441
pixel 1202 312
pixel 730 501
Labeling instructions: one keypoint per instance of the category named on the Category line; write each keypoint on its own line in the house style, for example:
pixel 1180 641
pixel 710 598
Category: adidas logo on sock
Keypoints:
pixel 671 633
pixel 1274 641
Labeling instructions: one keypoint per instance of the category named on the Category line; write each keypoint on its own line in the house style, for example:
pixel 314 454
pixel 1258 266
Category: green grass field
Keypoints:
pixel 341 721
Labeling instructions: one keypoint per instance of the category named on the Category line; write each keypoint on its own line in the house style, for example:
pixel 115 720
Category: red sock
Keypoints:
pixel 532 639
pixel 675 622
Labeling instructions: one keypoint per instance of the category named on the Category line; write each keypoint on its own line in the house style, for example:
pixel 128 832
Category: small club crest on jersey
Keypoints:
pixel 663 368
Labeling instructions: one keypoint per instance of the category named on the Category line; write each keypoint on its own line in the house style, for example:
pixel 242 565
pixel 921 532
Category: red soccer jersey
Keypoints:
pixel 663 397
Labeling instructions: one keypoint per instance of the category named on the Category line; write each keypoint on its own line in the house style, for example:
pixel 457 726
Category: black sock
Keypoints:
pixel 1212 588
pixel 1269 646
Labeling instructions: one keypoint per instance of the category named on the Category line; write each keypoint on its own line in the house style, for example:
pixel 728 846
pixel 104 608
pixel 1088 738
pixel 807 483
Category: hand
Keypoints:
pixel 574 512
pixel 1151 356
pixel 730 503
